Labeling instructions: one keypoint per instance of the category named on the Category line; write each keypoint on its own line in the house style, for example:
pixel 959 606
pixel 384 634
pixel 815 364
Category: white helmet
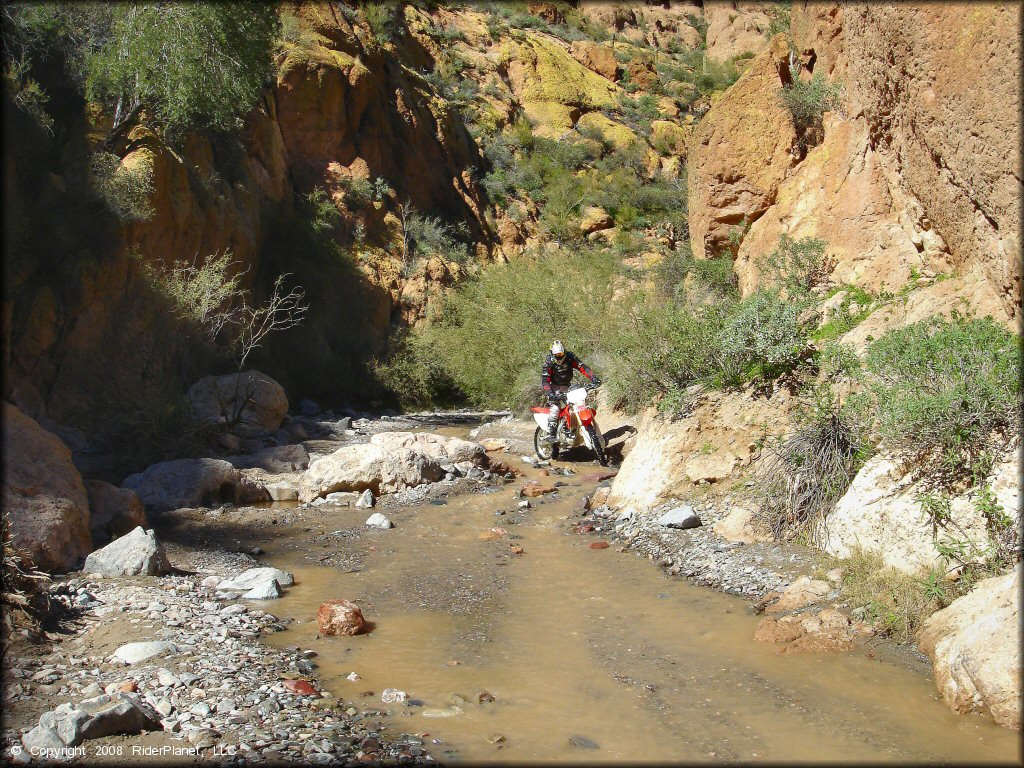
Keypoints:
pixel 558 350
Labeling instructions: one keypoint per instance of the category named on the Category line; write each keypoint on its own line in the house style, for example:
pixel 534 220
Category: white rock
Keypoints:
pixel 352 676
pixel 282 491
pixel 267 590
pixel 133 653
pixel 377 520
pixel 133 554
pixel 254 577
pixel 366 500
pixel 394 696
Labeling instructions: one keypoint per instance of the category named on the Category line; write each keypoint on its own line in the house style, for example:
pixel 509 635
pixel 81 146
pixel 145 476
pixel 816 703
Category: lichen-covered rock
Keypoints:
pixel 43 495
pixel 974 645
pixel 113 511
pixel 740 153
pixel 611 131
pixel 597 58
pixel 593 218
pixel 250 400
pixel 670 137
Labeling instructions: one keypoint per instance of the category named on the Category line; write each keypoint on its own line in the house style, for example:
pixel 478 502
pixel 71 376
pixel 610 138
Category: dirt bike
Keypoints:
pixel 576 426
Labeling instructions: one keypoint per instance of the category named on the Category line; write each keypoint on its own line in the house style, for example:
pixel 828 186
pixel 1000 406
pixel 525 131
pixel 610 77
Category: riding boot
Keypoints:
pixel 552 435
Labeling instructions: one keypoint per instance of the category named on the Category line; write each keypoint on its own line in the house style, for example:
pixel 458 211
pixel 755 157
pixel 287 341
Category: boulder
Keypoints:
pixel 594 218
pixel 122 714
pixel 741 525
pixel 378 520
pixel 43 495
pixel 880 513
pixel 735 29
pixel 365 500
pixel 282 491
pixel 439 447
pixel 597 58
pixel 256 577
pixel 265 590
pixel 113 511
pixel 369 466
pixel 740 153
pixel 681 517
pixel 276 459
pixel 804 591
pixel 827 631
pixel 340 617
pixel 133 653
pixel 192 483
pixel 618 135
pixel 974 645
pixel 136 553
pixel 669 137
pixel 250 399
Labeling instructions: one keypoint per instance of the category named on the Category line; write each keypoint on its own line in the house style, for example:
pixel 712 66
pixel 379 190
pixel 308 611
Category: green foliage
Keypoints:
pixel 946 392
pixel 807 102
pixel 894 602
pixel 383 19
pixel 414 375
pixel 797 265
pixel 201 294
pixel 857 304
pixel 428 236
pixel 195 65
pixel 762 339
pixel 324 216
pixel 126 191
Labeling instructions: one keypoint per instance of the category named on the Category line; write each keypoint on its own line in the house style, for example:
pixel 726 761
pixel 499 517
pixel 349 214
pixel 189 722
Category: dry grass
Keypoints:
pixel 24 593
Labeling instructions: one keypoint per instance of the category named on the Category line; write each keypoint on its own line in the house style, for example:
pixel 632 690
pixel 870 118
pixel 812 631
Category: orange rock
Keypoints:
pixel 128 686
pixel 533 490
pixel 340 617
pixel 516 550
pixel 493 535
pixel 599 545
pixel 300 687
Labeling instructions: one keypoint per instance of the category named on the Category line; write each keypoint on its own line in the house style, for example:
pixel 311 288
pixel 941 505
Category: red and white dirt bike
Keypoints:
pixel 576 426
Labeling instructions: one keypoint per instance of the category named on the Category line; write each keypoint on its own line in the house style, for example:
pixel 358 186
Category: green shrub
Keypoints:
pixel 807 102
pixel 125 191
pixel 761 339
pixel 947 392
pixel 324 216
pixel 414 375
pixel 383 19
pixel 797 265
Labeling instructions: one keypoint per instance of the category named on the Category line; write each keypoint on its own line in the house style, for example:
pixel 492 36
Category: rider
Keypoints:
pixel 556 377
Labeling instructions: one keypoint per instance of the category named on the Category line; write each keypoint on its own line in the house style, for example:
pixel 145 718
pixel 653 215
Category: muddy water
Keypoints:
pixel 574 642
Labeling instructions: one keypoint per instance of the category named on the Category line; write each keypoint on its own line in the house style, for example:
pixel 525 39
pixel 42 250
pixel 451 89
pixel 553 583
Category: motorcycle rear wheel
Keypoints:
pixel 545 451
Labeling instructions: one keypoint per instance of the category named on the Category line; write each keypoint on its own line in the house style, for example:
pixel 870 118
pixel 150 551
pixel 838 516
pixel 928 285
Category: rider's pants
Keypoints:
pixel 554 407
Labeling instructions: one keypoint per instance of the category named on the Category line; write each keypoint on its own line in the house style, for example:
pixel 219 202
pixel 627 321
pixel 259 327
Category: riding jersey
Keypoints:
pixel 558 375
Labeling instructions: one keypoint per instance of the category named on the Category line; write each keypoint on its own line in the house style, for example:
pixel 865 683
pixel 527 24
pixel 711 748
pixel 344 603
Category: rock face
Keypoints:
pixel 974 645
pixel 250 399
pixel 937 87
pixel 597 58
pixel 735 28
pixel 340 618
pixel 740 153
pixel 368 467
pixel 717 439
pixel 113 511
pixel 43 495
pixel 880 513
pixel 136 553
pixel 192 483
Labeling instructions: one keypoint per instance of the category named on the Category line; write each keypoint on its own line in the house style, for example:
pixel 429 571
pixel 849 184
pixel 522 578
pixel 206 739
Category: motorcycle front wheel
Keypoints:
pixel 545 451
pixel 595 440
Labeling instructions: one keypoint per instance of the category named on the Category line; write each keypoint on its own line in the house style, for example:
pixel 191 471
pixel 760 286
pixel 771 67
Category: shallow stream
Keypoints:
pixel 590 654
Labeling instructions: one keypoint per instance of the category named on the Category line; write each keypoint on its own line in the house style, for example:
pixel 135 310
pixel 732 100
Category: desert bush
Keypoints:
pixel 804 474
pixel 126 191
pixel 23 590
pixel 413 374
pixel 383 19
pixel 946 392
pixel 807 102
pixel 324 216
pixel 797 265
pixel 761 339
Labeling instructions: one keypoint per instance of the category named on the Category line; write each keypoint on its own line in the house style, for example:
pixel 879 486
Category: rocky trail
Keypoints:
pixel 501 620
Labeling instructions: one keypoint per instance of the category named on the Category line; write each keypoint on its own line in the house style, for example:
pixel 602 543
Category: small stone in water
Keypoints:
pixel 583 742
